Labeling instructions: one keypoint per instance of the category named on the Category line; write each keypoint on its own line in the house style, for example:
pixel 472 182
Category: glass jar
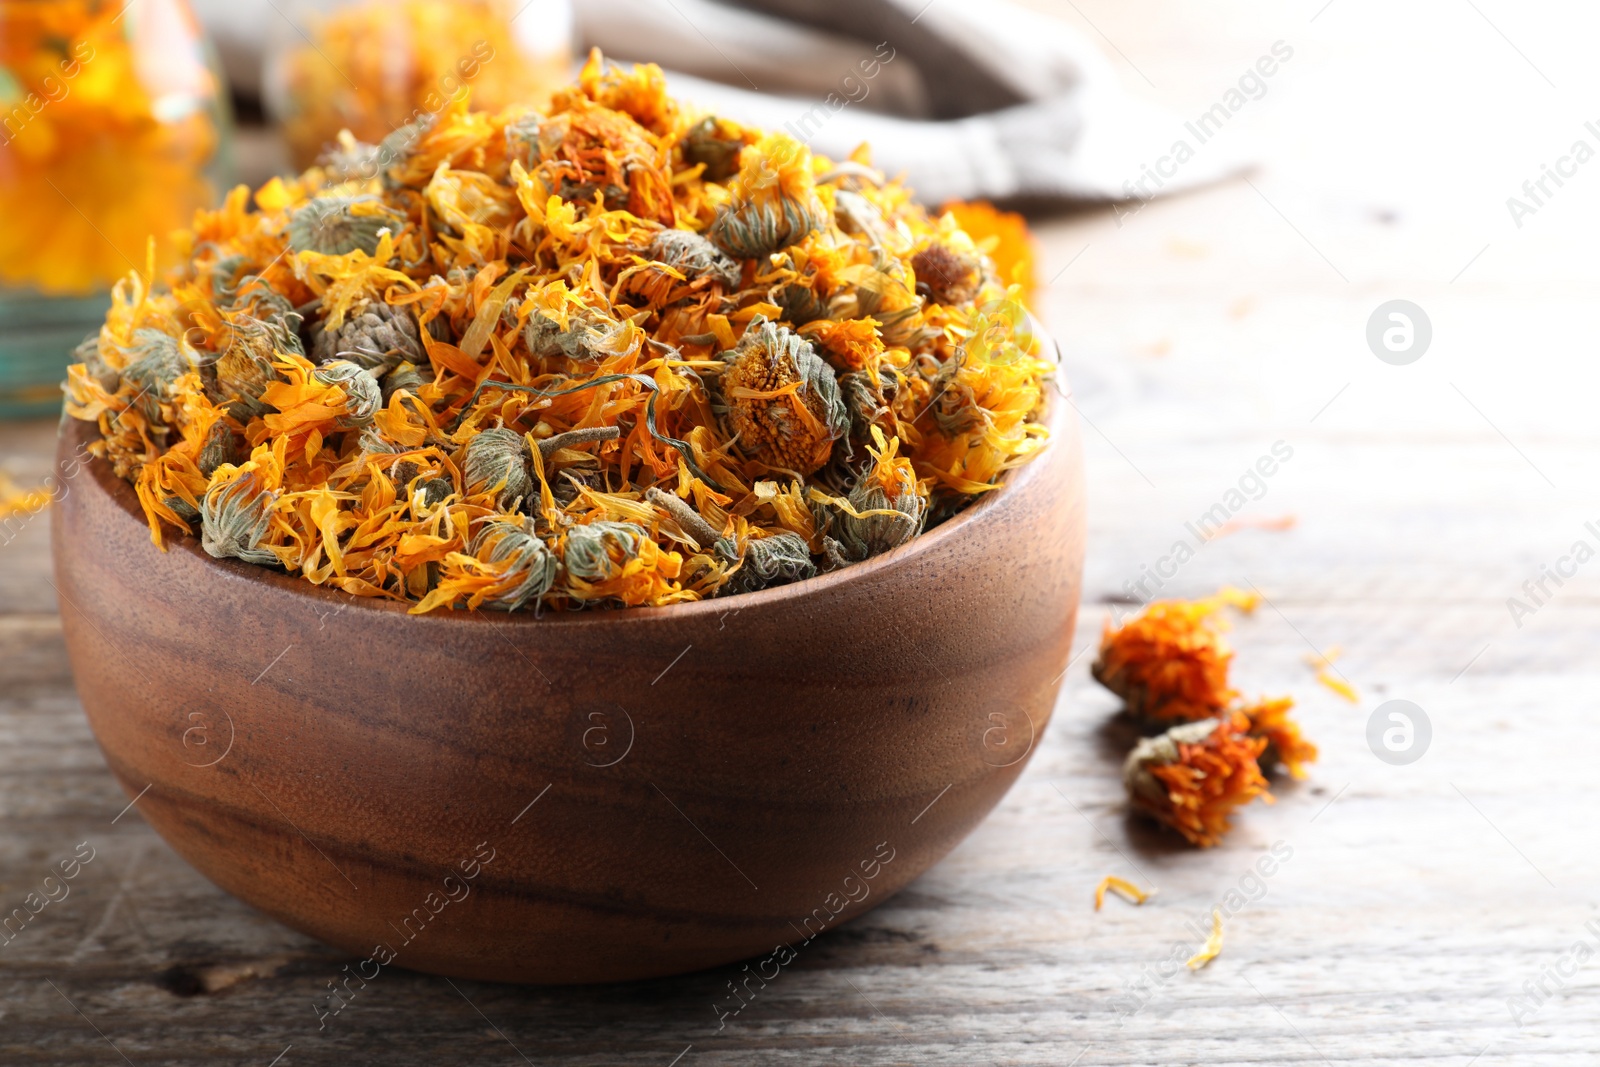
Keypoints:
pixel 370 66
pixel 113 130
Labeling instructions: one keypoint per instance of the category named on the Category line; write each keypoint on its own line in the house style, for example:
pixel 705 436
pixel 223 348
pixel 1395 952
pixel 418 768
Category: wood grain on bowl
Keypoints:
pixel 578 797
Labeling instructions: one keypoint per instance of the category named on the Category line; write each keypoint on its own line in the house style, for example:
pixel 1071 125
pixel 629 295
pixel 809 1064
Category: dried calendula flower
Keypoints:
pixel 773 201
pixel 946 275
pixel 693 355
pixel 506 567
pixel 1270 721
pixel 1192 777
pixel 497 461
pixel 716 144
pixel 695 257
pixel 376 336
pixel 776 559
pixel 1003 236
pixel 335 225
pixel 783 400
pixel 235 515
pixel 1169 663
pixel 363 395
pixel 886 507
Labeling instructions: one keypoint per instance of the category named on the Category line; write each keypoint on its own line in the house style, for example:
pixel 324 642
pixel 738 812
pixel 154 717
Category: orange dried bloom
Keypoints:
pixel 1004 236
pixel 1269 720
pixel 1192 777
pixel 1170 662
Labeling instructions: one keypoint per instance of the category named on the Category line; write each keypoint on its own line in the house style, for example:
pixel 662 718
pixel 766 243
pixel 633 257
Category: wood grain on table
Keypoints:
pixel 1416 901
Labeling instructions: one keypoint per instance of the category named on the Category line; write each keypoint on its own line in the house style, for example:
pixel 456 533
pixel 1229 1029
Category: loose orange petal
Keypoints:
pixel 1122 887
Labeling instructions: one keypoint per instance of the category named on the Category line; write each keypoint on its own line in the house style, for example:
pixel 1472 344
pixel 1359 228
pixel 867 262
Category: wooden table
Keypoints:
pixel 1415 901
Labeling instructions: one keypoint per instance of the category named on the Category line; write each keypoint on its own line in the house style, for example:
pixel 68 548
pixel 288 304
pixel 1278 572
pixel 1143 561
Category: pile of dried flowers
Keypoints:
pixel 1169 664
pixel 614 354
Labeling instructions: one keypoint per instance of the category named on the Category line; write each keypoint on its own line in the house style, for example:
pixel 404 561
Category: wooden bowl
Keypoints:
pixel 581 797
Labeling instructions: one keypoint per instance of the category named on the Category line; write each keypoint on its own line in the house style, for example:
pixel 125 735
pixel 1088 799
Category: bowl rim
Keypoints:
pixel 1056 404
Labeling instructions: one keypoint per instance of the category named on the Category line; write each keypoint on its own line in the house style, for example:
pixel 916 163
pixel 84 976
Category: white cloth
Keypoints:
pixel 965 100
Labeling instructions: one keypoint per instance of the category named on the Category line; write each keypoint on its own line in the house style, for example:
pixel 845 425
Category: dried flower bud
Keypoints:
pixel 339 225
pixel 363 397
pixel 526 566
pixel 694 257
pixel 858 216
pixel 782 399
pixel 875 534
pixel 497 459
pixel 235 514
pixel 245 368
pixel 599 550
pixel 1169 663
pixel 220 447
pixel 435 491
pixel 800 303
pixel 1192 777
pixel 588 338
pixel 375 336
pixel 773 202
pixel 947 276
pixel 350 160
pixel 710 143
pixel 88 353
pixel 404 378
pixel 776 559
pixel 155 363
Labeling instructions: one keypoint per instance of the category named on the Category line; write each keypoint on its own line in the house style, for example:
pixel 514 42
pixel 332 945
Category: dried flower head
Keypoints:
pixel 776 559
pixel 1194 776
pixel 1169 663
pixel 783 401
pixel 887 506
pixel 235 515
pixel 695 257
pixel 336 225
pixel 521 564
pixel 773 202
pixel 497 461
pixel 375 336
pixel 363 396
pixel 946 275
pixel 715 143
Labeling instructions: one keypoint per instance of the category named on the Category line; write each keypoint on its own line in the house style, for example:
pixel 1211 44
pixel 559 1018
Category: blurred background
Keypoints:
pixel 1209 304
